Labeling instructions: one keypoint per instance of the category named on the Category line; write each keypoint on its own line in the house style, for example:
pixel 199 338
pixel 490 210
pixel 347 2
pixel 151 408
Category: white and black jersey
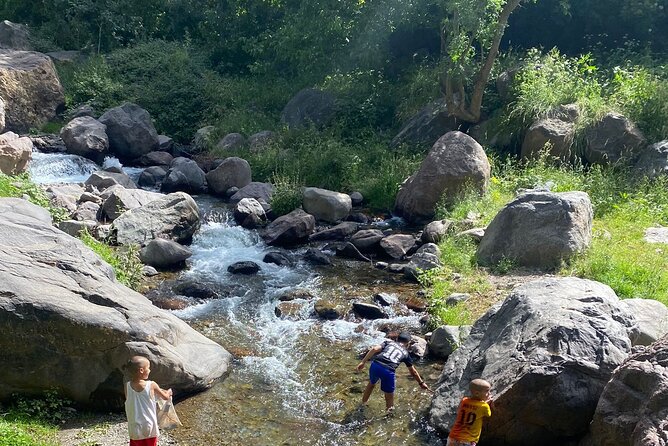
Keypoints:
pixel 392 355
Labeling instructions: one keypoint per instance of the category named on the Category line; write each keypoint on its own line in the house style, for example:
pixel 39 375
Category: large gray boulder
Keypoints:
pixel 326 205
pixel 231 141
pixel 30 88
pixel 554 133
pixel 290 229
pixel 62 310
pixel 119 199
pixel 15 153
pixel 232 172
pixel 613 138
pixel 427 126
pixel 633 409
pixel 396 246
pixel 162 253
pixel 130 130
pixel 538 229
pixel 548 350
pixel 367 240
pixel 455 162
pixel 309 107
pixel 653 160
pixel 184 175
pixel 14 36
pixel 87 137
pixel 102 180
pixel 254 189
pixel 174 216
pixel 651 317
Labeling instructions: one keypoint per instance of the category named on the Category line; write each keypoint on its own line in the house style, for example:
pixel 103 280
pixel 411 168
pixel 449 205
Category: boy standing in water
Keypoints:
pixel 388 356
pixel 140 403
pixel 468 424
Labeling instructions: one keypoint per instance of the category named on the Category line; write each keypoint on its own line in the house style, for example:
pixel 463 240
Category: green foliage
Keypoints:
pixel 20 186
pixel 287 195
pixel 91 82
pixel 49 408
pixel 124 260
pixel 169 80
pixel 26 433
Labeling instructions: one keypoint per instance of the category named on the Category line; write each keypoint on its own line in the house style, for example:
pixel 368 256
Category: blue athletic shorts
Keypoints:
pixel 386 376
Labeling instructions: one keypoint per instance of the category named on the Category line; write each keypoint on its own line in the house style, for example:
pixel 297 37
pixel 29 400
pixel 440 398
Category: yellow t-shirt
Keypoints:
pixel 469 420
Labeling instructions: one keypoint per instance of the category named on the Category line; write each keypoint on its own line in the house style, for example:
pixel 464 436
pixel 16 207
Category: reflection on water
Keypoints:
pixel 293 382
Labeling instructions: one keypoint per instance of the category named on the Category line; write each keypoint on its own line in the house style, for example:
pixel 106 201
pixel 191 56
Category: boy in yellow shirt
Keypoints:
pixel 468 425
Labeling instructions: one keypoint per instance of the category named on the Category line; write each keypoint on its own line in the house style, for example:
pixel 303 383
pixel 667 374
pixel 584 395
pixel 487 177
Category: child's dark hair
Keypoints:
pixel 134 364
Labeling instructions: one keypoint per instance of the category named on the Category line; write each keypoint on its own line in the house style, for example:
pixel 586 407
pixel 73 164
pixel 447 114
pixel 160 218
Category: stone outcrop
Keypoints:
pixel 174 216
pixel 548 350
pixel 455 162
pixel 30 89
pixel 538 229
pixel 633 409
pixel 64 317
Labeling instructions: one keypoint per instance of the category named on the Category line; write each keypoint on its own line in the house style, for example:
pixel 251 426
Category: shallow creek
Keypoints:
pixel 292 380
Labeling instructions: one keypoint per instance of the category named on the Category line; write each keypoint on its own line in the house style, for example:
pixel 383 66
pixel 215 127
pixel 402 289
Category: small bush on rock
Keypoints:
pixel 124 260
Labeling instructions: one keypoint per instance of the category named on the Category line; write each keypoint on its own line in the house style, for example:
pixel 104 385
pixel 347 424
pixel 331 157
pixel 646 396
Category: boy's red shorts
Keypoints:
pixel 145 442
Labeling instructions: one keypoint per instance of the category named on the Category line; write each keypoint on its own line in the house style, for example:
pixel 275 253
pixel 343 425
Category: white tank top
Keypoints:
pixel 141 412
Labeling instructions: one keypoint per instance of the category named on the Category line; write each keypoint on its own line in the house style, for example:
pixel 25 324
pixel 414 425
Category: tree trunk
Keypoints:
pixel 458 107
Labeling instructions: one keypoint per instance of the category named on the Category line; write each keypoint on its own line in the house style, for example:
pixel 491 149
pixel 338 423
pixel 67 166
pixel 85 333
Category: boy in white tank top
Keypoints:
pixel 140 405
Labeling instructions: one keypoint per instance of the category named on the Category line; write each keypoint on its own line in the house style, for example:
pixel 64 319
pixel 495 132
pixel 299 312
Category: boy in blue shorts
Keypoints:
pixel 388 356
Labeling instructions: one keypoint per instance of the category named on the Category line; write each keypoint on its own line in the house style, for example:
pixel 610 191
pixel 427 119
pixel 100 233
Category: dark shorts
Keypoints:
pixel 145 442
pixel 385 375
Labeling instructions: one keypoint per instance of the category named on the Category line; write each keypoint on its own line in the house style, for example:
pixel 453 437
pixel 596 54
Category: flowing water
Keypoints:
pixel 293 379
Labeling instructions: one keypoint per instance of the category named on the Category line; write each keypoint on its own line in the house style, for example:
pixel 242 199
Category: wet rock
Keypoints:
pixel 249 213
pixel 299 293
pixel 289 310
pixel 290 229
pixel 349 250
pixel 317 257
pixel 246 267
pixel 326 310
pixel 369 311
pixel 386 299
pixel 157 158
pixel 152 176
pixel 196 290
pixel 162 253
pixel 169 303
pixel 277 258
pixel 416 304
pixel 338 232
pixel 417 347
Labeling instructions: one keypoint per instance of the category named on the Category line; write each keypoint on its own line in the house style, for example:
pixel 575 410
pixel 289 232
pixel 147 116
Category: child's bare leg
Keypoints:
pixel 389 401
pixel 367 392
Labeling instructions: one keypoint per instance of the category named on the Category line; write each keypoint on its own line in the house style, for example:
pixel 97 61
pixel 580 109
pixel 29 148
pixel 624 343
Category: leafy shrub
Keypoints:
pixel 91 82
pixel 124 260
pixel 50 407
pixel 169 80
pixel 287 194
